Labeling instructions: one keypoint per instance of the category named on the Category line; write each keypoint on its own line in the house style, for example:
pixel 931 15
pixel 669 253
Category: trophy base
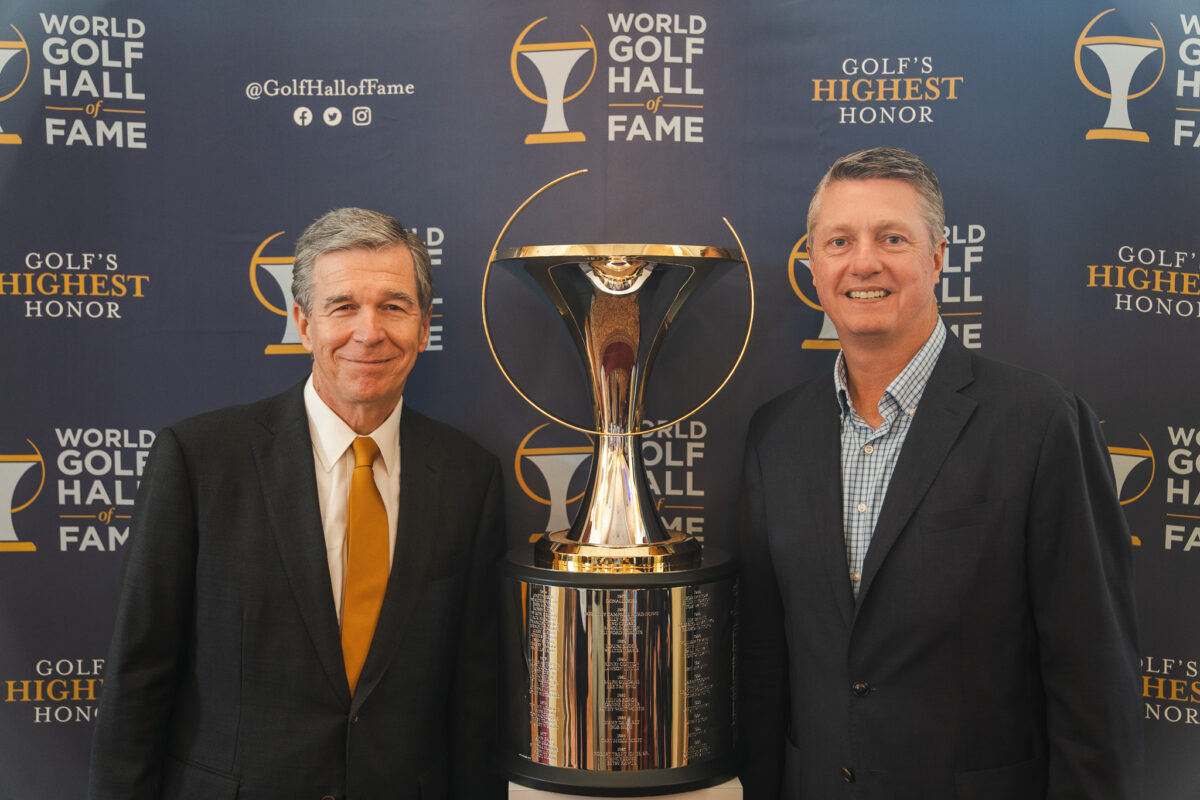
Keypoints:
pixel 555 138
pixel 10 138
pixel 618 683
pixel 645 783
pixel 1119 134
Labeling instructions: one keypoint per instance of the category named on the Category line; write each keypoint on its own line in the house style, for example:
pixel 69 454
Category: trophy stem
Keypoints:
pixel 619 504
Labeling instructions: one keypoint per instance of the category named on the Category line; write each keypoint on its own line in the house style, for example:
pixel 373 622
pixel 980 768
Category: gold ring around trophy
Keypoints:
pixel 503 371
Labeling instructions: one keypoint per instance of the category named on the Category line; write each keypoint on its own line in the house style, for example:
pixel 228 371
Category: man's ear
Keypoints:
pixel 301 325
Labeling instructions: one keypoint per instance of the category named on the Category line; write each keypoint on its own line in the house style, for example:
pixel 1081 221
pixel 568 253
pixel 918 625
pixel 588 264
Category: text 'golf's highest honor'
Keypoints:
pixel 619 634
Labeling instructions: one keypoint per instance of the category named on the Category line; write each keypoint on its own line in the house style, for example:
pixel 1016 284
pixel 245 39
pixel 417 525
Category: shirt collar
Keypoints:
pixel 906 388
pixel 332 436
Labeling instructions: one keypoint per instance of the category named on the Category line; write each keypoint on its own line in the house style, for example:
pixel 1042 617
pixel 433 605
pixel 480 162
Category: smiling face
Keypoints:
pixel 874 266
pixel 365 331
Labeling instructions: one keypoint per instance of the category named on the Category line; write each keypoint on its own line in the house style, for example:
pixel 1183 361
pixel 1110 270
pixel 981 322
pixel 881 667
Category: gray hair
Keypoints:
pixel 895 164
pixel 357 229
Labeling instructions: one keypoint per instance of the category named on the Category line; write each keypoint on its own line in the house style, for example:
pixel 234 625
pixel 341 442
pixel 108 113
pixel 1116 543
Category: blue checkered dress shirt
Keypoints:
pixel 869 455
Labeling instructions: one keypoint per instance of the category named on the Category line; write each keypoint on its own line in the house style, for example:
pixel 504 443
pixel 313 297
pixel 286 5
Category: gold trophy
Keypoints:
pixel 618 635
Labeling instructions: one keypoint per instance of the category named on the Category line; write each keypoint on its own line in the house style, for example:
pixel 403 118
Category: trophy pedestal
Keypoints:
pixel 730 790
pixel 618 683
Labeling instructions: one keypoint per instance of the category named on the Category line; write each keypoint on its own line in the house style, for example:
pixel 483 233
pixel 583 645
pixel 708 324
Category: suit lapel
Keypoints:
pixel 288 479
pixel 415 541
pixel 815 491
pixel 941 415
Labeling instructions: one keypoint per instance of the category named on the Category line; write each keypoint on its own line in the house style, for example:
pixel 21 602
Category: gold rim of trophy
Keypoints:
pixel 603 250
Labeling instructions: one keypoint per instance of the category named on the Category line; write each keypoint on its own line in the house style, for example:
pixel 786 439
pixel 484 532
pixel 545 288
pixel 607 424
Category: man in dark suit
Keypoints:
pixel 937 591
pixel 307 603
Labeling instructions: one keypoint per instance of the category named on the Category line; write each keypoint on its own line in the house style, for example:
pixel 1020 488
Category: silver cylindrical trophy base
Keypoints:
pixel 619 683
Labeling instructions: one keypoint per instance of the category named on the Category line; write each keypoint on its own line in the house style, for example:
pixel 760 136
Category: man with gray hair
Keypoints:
pixel 937 596
pixel 307 606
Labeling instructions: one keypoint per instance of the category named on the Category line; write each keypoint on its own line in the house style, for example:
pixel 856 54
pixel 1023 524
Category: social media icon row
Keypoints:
pixel 331 116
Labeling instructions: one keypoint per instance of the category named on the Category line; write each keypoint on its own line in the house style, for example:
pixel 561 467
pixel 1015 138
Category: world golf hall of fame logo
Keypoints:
pixel 1133 465
pixel 280 269
pixel 1121 55
pixel 554 62
pixel 10 83
pixel 827 339
pixel 558 466
pixel 13 467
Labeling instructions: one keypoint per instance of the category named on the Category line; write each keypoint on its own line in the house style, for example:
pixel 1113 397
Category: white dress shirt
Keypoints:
pixel 334 459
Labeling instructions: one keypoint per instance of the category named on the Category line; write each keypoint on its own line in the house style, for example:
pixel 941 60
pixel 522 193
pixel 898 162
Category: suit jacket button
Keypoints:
pixel 847 775
pixel 861 688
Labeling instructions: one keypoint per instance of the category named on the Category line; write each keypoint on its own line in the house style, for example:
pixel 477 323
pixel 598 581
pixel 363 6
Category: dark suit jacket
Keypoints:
pixel 225 677
pixel 992 650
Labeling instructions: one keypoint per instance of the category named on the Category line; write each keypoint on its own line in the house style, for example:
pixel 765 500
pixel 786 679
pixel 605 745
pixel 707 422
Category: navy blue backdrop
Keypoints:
pixel 158 160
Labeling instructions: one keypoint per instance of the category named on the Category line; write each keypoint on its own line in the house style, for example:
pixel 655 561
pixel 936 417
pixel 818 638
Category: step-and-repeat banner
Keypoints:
pixel 158 160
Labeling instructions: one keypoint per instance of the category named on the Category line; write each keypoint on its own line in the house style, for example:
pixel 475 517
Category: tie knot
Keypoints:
pixel 365 451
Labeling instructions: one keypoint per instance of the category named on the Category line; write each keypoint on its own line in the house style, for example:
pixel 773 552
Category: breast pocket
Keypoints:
pixel 975 515
pixel 434 616
pixel 949 554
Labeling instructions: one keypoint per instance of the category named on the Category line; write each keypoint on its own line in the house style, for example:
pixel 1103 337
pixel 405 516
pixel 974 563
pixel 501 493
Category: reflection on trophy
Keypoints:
pixel 8 51
pixel 554 62
pixel 12 469
pixel 618 634
pixel 1121 56
pixel 827 339
pixel 279 268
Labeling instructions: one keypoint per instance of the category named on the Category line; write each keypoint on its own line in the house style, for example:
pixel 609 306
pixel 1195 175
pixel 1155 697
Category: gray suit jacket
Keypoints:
pixel 225 677
pixel 992 649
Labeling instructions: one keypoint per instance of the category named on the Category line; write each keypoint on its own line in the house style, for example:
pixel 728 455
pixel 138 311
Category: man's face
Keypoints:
pixel 365 329
pixel 873 265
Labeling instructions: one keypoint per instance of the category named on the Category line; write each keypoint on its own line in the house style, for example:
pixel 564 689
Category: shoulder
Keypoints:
pixel 801 402
pixel 994 384
pixel 237 424
pixel 1027 406
pixel 1017 389
pixel 445 441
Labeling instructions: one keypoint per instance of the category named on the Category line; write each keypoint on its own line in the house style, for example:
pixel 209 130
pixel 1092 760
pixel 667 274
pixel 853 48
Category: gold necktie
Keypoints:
pixel 366 560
